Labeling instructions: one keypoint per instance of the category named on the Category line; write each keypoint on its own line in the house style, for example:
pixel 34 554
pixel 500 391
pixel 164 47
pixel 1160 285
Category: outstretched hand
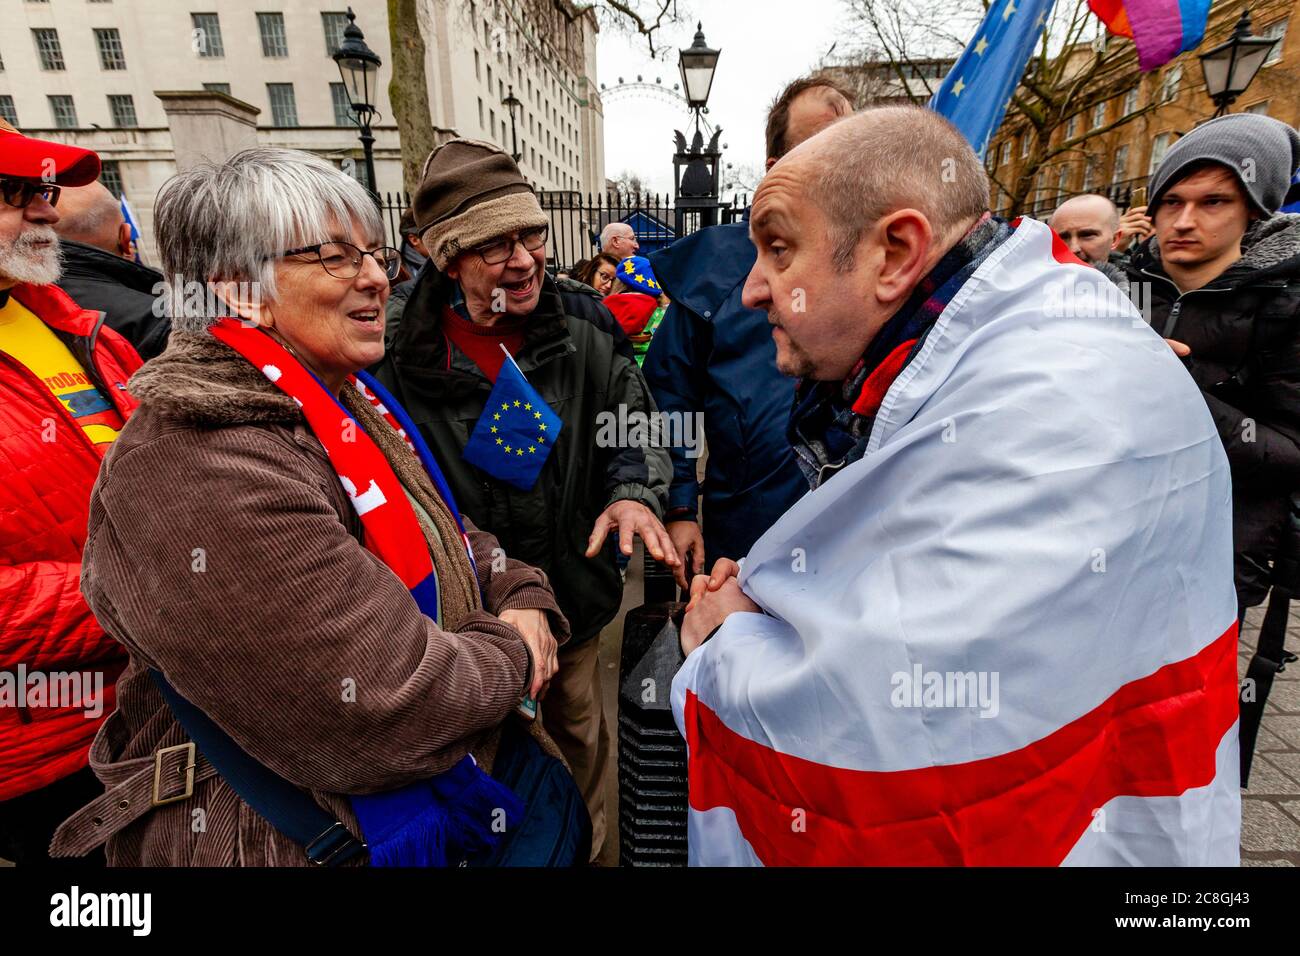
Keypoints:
pixel 631 518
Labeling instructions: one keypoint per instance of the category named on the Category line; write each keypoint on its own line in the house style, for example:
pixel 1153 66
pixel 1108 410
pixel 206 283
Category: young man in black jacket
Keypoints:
pixel 1220 280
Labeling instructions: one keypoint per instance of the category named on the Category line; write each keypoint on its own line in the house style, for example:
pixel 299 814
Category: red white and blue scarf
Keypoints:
pixel 446 818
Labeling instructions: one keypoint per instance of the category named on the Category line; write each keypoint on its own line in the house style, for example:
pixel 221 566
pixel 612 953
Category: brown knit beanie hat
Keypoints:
pixel 471 192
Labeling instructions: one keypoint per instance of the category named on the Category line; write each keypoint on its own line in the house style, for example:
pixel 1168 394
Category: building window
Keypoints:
pixel 1261 108
pixel 1173 80
pixel 478 73
pixel 1005 156
pixel 342 105
pixel 47 47
pixel 1088 168
pixel 284 108
pixel 1275 31
pixel 271 28
pixel 217 88
pixel 1159 146
pixel 1131 102
pixel 1024 144
pixel 110 176
pixel 1062 183
pixel 206 35
pixel 64 112
pixel 480 112
pixel 334 24
pixel 1120 170
pixel 492 122
pixel 109 44
pixel 7 111
pixel 489 79
pixel 122 108
pixel 1099 115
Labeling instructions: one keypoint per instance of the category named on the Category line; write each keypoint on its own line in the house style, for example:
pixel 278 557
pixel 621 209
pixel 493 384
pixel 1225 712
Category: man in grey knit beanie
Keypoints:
pixel 1220 280
pixel 1261 152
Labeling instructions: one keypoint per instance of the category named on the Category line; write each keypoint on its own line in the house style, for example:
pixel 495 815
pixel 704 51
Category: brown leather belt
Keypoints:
pixel 134 788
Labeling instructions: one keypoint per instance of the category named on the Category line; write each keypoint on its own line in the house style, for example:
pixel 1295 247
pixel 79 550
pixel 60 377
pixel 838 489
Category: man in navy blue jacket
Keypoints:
pixel 710 354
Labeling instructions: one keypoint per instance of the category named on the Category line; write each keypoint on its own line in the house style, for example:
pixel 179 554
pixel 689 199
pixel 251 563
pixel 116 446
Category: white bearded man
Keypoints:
pixel 1001 629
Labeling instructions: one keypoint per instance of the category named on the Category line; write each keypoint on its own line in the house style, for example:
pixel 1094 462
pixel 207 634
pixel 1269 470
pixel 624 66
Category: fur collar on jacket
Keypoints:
pixel 205 383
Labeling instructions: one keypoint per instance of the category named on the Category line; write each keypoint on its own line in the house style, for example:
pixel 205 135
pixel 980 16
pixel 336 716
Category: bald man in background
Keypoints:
pixel 1093 229
pixel 99 270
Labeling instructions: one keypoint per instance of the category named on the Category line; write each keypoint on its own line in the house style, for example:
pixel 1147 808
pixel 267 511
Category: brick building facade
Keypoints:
pixel 1164 104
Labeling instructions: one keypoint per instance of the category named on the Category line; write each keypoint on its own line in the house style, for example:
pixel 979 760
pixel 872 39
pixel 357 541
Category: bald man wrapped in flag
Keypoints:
pixel 1001 629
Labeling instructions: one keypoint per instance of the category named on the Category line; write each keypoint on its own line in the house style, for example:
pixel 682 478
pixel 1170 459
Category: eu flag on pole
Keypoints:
pixel 135 230
pixel 516 432
pixel 977 90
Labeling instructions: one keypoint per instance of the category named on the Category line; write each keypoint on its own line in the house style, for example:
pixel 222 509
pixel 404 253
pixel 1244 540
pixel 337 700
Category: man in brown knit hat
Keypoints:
pixel 486 293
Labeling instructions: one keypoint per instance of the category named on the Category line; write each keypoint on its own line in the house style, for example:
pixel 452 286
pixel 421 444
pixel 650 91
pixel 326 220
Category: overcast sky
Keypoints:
pixel 764 43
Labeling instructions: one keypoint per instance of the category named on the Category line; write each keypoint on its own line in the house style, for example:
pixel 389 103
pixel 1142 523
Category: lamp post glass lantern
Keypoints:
pixel 698 63
pixel 696 168
pixel 1231 66
pixel 358 68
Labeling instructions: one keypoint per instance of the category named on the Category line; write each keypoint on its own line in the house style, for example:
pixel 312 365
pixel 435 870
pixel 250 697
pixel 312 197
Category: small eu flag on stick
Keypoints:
pixel 516 432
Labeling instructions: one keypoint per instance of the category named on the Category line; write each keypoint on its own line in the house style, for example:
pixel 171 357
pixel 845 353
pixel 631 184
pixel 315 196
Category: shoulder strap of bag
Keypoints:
pixel 1270 657
pixel 326 841
pixel 1267 662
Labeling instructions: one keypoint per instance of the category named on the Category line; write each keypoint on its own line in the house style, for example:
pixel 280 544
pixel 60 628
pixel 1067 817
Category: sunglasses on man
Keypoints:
pixel 19 193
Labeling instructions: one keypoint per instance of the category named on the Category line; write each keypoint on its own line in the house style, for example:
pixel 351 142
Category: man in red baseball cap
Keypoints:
pixel 63 399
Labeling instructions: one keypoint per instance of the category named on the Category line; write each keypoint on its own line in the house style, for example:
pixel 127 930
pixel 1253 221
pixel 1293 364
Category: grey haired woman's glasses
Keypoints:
pixel 343 260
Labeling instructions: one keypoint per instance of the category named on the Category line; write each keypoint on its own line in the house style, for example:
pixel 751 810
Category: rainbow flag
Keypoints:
pixel 1160 29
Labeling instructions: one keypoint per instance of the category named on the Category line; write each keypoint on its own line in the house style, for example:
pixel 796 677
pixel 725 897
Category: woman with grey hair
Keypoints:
pixel 300 597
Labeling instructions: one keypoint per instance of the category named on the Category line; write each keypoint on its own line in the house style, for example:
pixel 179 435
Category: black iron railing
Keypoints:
pixel 577 220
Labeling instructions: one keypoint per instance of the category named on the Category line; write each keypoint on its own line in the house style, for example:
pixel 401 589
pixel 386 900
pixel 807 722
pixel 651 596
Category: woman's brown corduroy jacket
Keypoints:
pixel 223 551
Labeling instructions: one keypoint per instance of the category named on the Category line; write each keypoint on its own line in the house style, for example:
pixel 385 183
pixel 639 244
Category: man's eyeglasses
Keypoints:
pixel 498 251
pixel 343 260
pixel 19 193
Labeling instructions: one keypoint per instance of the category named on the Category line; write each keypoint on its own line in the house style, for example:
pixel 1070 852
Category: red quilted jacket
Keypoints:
pixel 44 495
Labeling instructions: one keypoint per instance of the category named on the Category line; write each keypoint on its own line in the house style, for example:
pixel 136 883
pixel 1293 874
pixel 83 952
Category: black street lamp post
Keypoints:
pixel 513 103
pixel 358 66
pixel 1231 66
pixel 696 170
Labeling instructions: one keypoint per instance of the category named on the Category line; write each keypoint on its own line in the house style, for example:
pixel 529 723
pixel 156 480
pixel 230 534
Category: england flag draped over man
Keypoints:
pixel 1001 629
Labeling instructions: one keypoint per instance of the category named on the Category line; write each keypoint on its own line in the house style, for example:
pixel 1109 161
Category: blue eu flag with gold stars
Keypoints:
pixel 977 90
pixel 516 432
